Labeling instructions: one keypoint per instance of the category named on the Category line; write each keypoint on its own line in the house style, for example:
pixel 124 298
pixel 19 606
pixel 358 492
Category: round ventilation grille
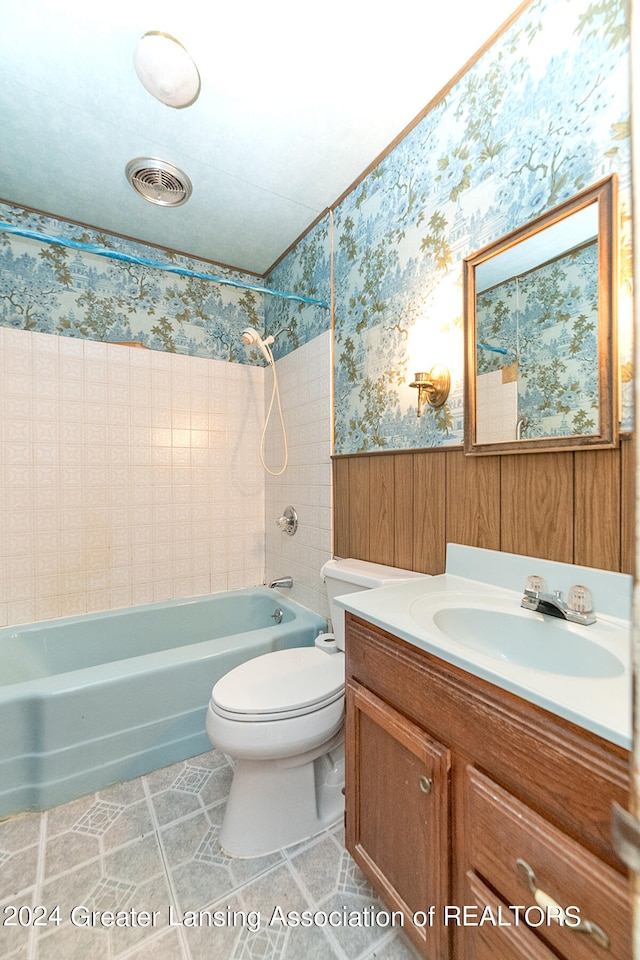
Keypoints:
pixel 159 182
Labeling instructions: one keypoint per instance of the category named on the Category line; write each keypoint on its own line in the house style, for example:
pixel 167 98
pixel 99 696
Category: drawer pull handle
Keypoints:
pixel 426 784
pixel 544 901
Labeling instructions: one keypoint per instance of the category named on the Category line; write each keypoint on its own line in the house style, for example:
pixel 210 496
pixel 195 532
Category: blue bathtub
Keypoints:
pixel 90 701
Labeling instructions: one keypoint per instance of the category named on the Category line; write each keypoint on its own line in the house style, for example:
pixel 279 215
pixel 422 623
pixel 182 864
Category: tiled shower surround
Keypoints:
pixel 129 476
pixel 151 845
pixel 304 376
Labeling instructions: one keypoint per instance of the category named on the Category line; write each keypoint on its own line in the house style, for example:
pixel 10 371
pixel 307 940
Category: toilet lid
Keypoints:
pixel 285 683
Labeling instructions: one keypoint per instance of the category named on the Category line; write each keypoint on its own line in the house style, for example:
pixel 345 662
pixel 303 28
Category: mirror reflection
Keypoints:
pixel 539 332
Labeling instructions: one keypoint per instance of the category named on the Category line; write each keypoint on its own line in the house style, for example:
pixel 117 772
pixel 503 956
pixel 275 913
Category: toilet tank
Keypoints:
pixel 349 576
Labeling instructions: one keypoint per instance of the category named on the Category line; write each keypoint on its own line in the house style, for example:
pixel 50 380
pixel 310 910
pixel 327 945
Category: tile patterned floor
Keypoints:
pixel 151 845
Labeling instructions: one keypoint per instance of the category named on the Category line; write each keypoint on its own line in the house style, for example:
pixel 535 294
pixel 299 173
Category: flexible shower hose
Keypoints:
pixel 275 394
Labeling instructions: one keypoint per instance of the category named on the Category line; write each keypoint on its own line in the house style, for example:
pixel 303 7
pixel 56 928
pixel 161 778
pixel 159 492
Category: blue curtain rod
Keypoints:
pixel 140 261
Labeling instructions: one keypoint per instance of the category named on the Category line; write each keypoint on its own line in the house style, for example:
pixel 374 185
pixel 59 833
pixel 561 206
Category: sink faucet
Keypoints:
pixel 282 582
pixel 521 425
pixel 577 608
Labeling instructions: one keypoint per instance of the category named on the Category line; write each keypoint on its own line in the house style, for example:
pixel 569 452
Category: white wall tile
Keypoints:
pixel 113 482
pixel 128 476
pixel 305 382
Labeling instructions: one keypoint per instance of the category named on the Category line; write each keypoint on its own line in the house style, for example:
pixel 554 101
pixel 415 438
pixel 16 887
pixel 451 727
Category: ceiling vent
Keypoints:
pixel 159 181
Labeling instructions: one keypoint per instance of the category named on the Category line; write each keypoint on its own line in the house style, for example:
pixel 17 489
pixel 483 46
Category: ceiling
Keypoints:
pixel 296 101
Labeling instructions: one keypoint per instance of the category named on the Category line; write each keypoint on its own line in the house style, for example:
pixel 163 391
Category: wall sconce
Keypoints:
pixel 433 387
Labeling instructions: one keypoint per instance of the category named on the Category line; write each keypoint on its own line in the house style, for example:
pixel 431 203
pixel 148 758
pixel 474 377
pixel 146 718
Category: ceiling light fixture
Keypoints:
pixel 166 70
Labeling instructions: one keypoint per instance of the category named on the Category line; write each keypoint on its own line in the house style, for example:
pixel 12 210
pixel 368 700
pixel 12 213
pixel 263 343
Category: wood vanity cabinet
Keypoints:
pixel 465 798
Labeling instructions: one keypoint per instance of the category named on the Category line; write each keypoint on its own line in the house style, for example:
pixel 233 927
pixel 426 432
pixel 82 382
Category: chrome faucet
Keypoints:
pixel 282 582
pixel 521 425
pixel 577 608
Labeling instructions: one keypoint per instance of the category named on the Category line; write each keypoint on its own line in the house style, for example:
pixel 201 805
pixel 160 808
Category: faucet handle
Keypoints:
pixel 288 522
pixel 579 599
pixel 535 584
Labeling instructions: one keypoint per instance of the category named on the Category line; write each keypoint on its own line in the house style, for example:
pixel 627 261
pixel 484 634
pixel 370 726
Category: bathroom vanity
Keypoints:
pixel 473 809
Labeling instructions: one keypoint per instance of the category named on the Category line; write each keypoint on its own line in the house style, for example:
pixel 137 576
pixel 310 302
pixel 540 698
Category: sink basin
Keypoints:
pixel 523 638
pixel 470 617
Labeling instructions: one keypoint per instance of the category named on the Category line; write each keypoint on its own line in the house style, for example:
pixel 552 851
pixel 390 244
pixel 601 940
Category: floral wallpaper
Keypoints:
pixel 57 290
pixel 543 114
pixel 306 271
pixel 546 322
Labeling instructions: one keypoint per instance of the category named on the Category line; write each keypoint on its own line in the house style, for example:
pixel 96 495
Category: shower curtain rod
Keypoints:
pixel 140 261
pixel 486 346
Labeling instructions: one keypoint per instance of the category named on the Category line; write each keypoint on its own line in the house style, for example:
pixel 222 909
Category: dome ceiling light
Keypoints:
pixel 166 70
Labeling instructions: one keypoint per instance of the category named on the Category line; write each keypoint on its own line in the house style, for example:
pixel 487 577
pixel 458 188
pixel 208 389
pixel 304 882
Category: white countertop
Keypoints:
pixel 601 704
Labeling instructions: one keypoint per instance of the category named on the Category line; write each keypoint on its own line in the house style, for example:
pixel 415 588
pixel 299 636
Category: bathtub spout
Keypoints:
pixel 282 582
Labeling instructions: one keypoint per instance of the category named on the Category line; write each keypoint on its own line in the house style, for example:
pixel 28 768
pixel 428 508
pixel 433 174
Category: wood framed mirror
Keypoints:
pixel 540 332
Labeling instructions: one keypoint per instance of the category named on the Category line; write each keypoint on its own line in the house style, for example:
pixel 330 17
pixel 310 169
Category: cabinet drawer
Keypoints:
pixel 504 938
pixel 502 831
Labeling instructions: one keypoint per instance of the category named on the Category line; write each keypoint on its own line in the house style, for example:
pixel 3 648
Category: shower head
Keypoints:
pixel 252 338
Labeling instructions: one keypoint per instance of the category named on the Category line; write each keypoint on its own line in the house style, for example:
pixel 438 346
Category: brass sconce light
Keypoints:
pixel 433 387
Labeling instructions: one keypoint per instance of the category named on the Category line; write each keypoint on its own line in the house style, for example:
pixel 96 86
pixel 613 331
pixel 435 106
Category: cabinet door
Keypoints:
pixel 397 790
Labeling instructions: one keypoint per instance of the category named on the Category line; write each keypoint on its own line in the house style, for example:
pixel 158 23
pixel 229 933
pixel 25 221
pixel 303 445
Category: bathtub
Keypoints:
pixel 93 700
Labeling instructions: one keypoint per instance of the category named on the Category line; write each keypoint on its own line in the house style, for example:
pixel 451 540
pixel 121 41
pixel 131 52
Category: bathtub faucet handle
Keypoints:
pixel 282 582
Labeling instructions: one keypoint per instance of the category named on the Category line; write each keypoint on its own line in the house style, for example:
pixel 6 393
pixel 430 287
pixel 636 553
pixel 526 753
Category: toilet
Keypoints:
pixel 280 717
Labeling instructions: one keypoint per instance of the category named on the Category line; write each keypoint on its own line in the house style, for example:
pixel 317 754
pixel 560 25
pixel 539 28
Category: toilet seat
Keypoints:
pixel 280 685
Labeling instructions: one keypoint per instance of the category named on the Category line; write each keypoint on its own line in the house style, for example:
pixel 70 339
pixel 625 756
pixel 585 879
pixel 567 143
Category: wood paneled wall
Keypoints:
pixel 402 508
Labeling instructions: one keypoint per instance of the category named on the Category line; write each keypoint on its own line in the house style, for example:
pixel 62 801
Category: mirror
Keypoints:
pixel 540 346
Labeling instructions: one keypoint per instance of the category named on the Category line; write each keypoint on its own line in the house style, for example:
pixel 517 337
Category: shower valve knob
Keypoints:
pixel 288 522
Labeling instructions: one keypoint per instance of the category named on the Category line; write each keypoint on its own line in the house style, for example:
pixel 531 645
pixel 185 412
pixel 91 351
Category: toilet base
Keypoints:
pixel 276 803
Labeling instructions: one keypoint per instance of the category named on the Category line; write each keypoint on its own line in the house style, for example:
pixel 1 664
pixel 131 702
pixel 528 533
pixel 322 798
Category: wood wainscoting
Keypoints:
pixel 402 508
